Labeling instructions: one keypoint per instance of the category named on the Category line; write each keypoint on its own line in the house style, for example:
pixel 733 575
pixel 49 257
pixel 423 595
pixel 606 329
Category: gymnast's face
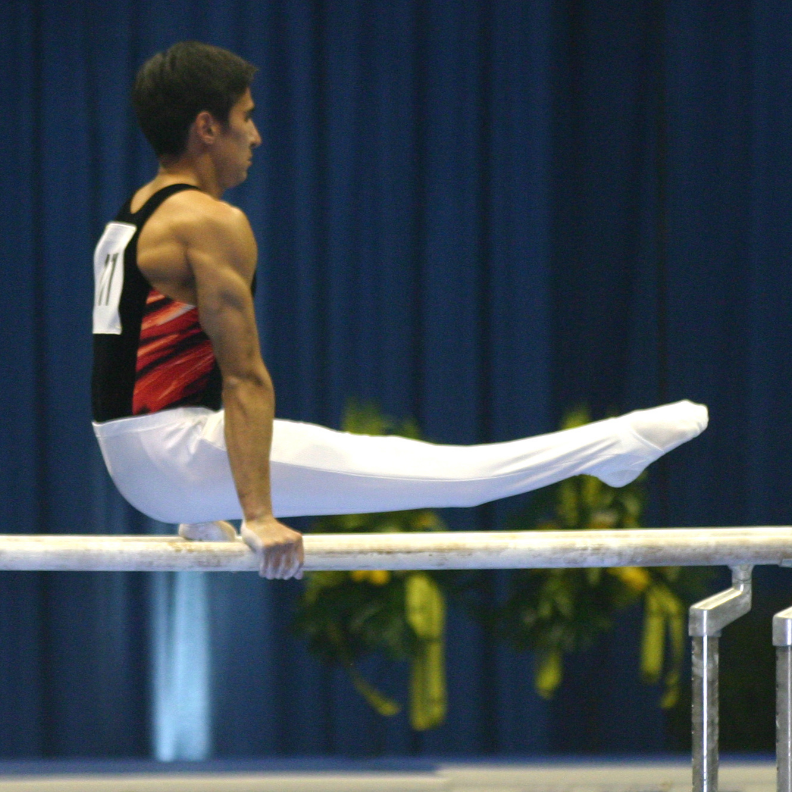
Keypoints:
pixel 233 150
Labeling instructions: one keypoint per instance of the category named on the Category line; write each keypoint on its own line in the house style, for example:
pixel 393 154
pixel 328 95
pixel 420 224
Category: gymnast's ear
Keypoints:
pixel 205 129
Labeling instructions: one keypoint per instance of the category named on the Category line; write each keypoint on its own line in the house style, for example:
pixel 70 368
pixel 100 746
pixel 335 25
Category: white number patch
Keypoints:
pixel 109 276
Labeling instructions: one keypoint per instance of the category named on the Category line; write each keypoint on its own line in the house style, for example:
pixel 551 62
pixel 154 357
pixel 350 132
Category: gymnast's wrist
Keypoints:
pixel 261 518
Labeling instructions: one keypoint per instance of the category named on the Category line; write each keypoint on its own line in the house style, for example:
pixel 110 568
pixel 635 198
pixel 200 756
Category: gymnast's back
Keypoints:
pixel 150 352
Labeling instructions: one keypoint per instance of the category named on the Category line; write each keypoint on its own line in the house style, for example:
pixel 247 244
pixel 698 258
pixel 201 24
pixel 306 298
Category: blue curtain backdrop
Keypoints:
pixel 475 213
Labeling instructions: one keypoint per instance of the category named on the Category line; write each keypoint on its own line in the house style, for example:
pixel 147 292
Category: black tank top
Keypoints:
pixel 149 351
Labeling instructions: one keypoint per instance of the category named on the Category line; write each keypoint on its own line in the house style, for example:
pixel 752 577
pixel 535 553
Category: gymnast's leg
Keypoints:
pixel 173 465
pixel 320 471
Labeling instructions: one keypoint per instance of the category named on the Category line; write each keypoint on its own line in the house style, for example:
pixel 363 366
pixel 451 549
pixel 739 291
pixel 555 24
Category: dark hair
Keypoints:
pixel 174 86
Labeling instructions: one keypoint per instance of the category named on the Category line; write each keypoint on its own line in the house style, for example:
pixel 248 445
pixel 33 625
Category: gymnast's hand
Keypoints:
pixel 279 548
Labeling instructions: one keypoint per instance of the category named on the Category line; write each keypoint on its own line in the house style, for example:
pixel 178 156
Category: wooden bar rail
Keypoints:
pixel 449 550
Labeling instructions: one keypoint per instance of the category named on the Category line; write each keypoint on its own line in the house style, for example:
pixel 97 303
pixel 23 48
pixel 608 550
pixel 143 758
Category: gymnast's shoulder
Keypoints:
pixel 194 213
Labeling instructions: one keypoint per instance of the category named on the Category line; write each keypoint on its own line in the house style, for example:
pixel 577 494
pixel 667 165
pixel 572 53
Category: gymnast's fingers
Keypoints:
pixel 290 557
pixel 300 559
pixel 274 562
pixel 264 564
pixel 293 559
pixel 291 565
pixel 269 561
pixel 298 572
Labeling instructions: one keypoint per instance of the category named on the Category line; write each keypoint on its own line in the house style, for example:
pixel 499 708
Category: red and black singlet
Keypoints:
pixel 150 353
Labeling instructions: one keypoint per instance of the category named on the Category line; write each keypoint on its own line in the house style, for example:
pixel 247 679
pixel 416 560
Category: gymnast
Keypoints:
pixel 183 405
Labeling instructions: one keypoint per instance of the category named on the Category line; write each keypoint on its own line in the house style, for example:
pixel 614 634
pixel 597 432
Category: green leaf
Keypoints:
pixel 653 637
pixel 549 672
pixel 381 704
pixel 425 609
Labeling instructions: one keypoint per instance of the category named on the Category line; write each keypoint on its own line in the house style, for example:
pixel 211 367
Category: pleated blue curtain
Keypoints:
pixel 476 213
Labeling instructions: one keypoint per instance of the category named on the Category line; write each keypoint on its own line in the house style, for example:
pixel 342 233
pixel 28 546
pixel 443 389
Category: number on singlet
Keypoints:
pixel 109 276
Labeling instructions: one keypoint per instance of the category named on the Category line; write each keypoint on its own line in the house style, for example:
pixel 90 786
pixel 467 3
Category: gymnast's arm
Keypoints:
pixel 221 251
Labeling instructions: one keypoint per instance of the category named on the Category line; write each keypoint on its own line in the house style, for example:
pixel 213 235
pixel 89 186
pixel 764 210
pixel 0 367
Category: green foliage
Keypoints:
pixel 557 611
pixel 347 615
pixel 566 609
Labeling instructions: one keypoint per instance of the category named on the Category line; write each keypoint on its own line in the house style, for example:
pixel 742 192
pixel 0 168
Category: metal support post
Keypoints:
pixel 707 619
pixel 782 640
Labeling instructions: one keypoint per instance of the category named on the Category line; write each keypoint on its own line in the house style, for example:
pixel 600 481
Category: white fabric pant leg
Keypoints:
pixel 174 467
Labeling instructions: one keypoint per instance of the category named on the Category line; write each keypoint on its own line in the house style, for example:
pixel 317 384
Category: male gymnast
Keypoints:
pixel 183 405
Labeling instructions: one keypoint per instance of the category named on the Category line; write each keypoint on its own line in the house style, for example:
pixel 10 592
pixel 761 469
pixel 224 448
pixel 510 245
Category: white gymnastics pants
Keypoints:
pixel 173 466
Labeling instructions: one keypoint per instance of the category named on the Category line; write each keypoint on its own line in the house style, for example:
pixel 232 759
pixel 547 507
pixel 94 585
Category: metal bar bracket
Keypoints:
pixel 782 640
pixel 707 619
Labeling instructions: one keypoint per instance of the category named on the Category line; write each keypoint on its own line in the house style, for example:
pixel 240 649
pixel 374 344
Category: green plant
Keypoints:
pixel 346 615
pixel 557 611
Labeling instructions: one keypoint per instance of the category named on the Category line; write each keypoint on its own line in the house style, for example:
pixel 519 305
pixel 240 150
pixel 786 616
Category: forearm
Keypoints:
pixel 249 413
